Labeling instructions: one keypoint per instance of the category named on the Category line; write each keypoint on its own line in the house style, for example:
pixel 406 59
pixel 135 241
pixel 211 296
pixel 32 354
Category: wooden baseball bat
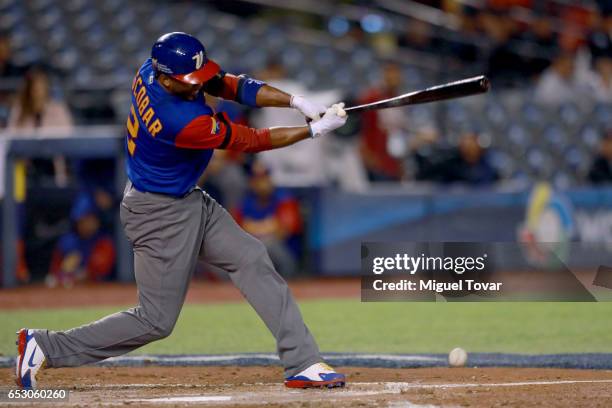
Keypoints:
pixel 458 89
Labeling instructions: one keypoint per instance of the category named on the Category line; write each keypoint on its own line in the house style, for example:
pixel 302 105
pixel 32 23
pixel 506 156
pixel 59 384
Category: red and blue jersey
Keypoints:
pixel 170 140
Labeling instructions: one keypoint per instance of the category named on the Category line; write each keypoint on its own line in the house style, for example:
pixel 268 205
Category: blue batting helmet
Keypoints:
pixel 183 57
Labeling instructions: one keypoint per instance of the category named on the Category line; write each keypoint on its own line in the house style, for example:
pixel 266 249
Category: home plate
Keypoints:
pixel 190 398
pixel 266 393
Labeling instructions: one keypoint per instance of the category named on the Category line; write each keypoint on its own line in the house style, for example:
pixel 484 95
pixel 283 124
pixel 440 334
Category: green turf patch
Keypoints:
pixel 351 326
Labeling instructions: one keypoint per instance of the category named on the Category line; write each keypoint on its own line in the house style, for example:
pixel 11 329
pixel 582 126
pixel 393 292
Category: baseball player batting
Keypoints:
pixel 170 138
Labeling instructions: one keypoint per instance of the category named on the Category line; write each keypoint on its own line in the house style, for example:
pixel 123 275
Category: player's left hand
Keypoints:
pixel 310 109
pixel 334 118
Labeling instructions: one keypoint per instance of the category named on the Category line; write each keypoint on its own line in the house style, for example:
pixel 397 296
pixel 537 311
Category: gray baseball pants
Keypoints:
pixel 169 235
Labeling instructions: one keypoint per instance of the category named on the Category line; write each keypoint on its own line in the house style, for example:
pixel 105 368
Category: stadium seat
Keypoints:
pixel 50 19
pixel 562 180
pixel 103 42
pixel 503 163
pixel 413 78
pixel 293 58
pixel 589 136
pixel 325 58
pixel 239 41
pixel 495 114
pixel 555 137
pixel 66 59
pixel 533 115
pixel 111 6
pixel 517 135
pixel 362 59
pixel 308 77
pixel 456 114
pixel 602 114
pixel 577 159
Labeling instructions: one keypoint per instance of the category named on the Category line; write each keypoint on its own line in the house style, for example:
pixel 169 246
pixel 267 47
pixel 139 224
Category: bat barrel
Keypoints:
pixel 457 89
pixel 485 84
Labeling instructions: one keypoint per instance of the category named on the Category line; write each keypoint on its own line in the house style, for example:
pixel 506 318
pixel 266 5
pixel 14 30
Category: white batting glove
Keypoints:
pixel 334 118
pixel 310 109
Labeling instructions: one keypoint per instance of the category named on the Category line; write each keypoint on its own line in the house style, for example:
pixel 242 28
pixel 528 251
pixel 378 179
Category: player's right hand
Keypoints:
pixel 334 118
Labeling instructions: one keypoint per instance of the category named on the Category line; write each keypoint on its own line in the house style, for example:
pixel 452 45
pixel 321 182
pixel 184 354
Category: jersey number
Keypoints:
pixel 132 127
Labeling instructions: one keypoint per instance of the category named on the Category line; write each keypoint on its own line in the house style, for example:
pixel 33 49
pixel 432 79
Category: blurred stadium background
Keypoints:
pixel 457 171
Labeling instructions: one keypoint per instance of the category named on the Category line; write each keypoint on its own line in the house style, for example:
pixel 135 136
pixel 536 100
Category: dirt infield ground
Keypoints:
pixel 38 296
pixel 260 386
pixel 242 386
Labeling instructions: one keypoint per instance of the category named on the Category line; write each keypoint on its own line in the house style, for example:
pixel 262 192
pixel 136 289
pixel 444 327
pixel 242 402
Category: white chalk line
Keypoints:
pixel 376 389
pixel 247 397
pixel 408 404
pixel 267 356
pixel 195 398
pixel 205 399
pixel 86 387
pixel 267 396
pixel 388 388
pixel 406 385
pixel 387 384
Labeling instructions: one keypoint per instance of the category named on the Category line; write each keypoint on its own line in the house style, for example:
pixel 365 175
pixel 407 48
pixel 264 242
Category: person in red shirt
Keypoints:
pixel 379 164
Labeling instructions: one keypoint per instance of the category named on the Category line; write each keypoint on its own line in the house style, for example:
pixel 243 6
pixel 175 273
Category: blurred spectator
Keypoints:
pixel 35 108
pixel 600 82
pixel 467 163
pixel 541 41
pixel 558 84
pixel 504 64
pixel 423 144
pixel 463 45
pixel 272 215
pixel 375 131
pixel 418 36
pixel 10 74
pixel 542 33
pixel 605 7
pixel 343 164
pixel 601 168
pixel 600 37
pixel 84 254
pixel 506 4
pixel 301 164
pixel 8 69
pixel 575 20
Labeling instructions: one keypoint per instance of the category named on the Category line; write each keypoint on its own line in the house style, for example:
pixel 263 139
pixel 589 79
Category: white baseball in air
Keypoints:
pixel 457 357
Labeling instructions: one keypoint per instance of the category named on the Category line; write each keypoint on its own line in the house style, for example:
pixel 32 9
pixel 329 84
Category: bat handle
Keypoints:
pixel 354 109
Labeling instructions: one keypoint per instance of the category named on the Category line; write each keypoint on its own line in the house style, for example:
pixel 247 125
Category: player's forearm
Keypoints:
pixel 268 96
pixel 334 118
pixel 285 136
pixel 250 140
